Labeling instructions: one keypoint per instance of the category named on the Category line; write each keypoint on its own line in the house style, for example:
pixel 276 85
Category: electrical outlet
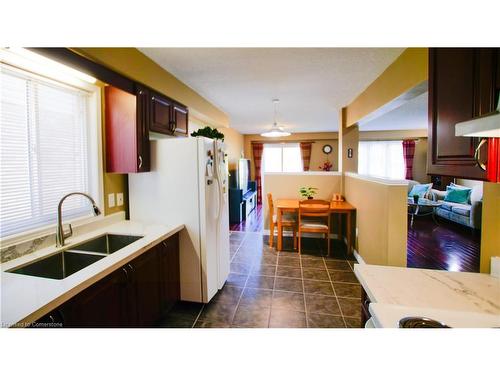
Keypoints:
pixel 111 200
pixel 119 199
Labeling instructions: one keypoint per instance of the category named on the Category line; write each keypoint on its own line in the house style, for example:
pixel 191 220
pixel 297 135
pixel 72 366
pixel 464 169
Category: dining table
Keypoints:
pixel 336 207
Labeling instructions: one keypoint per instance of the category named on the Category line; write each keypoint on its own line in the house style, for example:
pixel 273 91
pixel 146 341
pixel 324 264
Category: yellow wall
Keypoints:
pixel 317 155
pixel 420 157
pixel 490 230
pixel 287 185
pixel 133 64
pixel 407 71
pixel 348 139
pixel 235 145
pixel 381 219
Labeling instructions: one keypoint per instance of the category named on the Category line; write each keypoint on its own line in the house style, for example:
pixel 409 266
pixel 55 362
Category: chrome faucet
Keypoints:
pixel 61 235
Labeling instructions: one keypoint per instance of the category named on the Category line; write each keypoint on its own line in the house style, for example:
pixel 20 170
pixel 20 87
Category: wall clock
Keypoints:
pixel 327 149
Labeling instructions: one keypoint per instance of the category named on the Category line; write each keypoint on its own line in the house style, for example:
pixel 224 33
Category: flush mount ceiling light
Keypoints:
pixel 276 131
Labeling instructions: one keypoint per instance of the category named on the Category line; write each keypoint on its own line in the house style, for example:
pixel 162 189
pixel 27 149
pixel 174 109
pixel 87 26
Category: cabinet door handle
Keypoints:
pixel 131 268
pixel 126 273
pixel 477 154
pixel 140 161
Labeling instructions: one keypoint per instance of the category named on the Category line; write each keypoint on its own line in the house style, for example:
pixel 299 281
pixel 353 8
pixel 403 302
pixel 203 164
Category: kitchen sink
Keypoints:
pixel 106 244
pixel 75 258
pixel 58 266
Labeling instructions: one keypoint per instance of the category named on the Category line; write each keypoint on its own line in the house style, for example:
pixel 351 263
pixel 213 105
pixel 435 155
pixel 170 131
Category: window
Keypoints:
pixel 49 147
pixel 381 159
pixel 282 157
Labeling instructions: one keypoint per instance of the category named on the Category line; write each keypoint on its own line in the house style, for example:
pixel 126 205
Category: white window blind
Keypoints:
pixel 381 159
pixel 44 150
pixel 282 157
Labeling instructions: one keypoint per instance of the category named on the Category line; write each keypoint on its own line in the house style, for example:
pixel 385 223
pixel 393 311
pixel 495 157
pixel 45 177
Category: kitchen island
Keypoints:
pixel 413 291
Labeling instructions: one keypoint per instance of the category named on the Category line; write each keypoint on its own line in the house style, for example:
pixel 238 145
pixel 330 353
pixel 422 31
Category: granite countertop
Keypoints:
pixel 26 298
pixel 422 288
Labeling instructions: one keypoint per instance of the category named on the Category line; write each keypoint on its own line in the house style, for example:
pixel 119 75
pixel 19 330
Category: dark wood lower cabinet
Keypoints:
pixel 136 295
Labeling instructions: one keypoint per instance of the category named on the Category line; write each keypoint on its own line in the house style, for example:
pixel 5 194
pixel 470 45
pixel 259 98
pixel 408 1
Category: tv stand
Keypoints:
pixel 240 205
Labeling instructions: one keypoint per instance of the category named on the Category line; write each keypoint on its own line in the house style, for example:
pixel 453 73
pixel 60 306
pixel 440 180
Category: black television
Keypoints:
pixel 240 177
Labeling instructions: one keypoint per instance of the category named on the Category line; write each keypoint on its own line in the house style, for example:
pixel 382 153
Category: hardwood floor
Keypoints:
pixel 253 223
pixel 447 246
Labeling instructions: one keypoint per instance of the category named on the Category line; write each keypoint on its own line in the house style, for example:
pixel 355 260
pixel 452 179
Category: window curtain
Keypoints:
pixel 257 150
pixel 408 153
pixel 305 151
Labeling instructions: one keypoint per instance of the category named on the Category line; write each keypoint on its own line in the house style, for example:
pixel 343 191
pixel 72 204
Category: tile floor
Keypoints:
pixel 269 289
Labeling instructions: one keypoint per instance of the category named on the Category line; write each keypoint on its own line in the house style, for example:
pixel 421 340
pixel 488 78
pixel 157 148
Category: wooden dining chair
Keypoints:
pixel 314 217
pixel 287 220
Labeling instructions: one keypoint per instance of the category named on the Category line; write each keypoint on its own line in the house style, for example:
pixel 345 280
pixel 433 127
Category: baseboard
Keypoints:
pixel 358 257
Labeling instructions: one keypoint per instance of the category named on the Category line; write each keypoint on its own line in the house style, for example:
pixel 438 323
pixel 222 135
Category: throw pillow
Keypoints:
pixel 420 189
pixel 457 195
pixel 462 187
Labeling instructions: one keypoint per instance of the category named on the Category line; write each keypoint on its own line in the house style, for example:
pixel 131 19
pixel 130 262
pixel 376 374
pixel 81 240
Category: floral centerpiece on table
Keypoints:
pixel 326 167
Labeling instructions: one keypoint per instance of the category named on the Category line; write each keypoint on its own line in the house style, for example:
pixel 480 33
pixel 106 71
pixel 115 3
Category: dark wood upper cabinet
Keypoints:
pixel 166 116
pixel 161 119
pixel 180 117
pixel 127 137
pixel 462 86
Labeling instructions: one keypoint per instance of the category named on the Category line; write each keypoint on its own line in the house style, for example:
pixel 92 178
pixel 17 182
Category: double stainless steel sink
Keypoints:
pixel 75 258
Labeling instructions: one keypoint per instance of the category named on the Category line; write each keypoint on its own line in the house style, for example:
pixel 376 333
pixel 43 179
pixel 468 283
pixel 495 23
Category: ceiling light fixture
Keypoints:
pixel 276 131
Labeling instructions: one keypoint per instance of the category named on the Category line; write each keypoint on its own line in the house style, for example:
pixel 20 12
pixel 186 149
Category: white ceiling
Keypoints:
pixel 409 116
pixel 311 83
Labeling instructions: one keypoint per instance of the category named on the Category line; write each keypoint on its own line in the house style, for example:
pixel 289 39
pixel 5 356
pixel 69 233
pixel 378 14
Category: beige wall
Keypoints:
pixel 381 219
pixel 420 157
pixel 287 185
pixel 317 155
pixel 410 69
pixel 490 229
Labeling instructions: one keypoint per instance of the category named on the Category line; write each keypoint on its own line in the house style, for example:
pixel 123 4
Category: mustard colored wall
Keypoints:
pixel 348 139
pixel 317 156
pixel 407 71
pixel 381 219
pixel 113 182
pixel 235 145
pixel 133 64
pixel 490 227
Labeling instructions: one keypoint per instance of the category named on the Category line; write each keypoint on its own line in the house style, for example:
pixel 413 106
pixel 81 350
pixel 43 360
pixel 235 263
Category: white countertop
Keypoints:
pixel 388 316
pixel 461 292
pixel 26 298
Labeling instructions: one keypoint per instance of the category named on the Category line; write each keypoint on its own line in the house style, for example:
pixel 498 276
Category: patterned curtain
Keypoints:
pixel 305 151
pixel 257 150
pixel 408 152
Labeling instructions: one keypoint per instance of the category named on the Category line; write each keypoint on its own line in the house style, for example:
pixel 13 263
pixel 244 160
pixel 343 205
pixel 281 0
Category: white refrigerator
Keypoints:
pixel 188 184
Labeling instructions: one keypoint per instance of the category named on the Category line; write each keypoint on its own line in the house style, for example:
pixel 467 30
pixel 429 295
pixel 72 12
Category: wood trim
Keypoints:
pixel 67 57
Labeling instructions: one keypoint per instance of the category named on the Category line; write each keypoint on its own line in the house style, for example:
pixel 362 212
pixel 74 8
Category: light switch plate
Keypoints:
pixel 119 199
pixel 111 200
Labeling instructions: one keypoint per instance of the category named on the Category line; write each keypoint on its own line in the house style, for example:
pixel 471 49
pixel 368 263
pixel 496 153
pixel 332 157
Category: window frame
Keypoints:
pixel 281 146
pixel 95 153
pixel 386 141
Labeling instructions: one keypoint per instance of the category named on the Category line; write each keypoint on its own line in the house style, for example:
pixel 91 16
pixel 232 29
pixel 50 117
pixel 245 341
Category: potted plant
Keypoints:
pixel 208 132
pixel 308 192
